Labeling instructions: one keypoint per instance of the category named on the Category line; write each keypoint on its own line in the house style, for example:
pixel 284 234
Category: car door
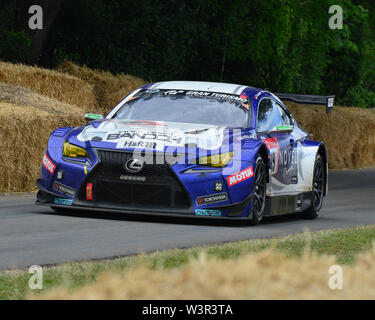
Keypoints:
pixel 275 128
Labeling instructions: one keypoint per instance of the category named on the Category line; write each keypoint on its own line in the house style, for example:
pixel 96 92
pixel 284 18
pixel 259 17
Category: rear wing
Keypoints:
pixel 327 101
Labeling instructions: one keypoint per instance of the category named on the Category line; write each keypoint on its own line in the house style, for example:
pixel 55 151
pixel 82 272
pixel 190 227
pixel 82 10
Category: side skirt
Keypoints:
pixel 287 204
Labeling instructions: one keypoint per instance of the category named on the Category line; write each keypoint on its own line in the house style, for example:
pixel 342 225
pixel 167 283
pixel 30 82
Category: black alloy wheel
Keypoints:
pixel 259 194
pixel 319 180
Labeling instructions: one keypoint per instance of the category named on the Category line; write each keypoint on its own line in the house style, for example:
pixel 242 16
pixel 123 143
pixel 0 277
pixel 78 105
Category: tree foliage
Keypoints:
pixel 283 45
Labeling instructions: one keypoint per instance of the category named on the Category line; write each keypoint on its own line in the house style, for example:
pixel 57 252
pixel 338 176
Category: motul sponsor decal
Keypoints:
pixel 48 164
pixel 240 176
pixel 212 198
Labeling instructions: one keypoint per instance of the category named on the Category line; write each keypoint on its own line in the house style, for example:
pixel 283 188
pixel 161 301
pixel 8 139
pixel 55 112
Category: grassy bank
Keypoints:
pixel 320 249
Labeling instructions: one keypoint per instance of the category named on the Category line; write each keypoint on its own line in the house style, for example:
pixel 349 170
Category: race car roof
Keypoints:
pixel 228 88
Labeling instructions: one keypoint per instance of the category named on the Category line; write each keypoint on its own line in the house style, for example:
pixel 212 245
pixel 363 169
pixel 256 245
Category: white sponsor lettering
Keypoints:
pixel 240 176
pixel 48 164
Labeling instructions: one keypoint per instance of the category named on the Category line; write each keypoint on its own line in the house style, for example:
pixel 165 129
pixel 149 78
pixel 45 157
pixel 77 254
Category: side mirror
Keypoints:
pixel 286 129
pixel 93 116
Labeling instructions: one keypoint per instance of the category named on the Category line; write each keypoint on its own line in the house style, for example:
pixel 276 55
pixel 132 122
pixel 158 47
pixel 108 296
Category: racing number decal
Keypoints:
pixel 274 154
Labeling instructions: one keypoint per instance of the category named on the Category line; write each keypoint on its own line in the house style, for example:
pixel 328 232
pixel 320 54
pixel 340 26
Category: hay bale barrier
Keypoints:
pixel 50 83
pixel 24 132
pixel 349 133
pixel 35 101
pixel 26 121
pixel 109 89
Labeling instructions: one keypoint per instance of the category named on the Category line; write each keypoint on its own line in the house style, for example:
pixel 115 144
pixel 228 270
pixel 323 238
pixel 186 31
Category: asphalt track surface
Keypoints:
pixel 31 234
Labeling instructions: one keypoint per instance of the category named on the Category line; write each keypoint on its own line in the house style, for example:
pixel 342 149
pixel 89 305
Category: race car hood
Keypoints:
pixel 150 135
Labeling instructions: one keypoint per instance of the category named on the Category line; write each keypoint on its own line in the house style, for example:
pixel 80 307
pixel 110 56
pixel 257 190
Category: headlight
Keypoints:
pixel 70 150
pixel 216 160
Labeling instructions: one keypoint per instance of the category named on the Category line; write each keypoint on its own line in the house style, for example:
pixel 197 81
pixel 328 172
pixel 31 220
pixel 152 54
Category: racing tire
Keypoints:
pixel 259 193
pixel 319 179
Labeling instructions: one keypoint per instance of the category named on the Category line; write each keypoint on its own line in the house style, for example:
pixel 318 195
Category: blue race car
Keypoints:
pixel 189 149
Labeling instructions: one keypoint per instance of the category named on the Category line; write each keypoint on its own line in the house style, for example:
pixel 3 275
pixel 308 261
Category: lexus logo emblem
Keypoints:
pixel 133 165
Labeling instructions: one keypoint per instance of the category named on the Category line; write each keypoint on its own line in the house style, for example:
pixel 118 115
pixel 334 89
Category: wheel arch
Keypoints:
pixel 322 151
pixel 263 152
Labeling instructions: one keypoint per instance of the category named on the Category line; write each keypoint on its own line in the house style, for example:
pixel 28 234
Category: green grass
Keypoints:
pixel 345 244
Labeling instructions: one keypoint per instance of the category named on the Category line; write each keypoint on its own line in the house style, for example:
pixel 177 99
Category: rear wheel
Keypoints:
pixel 259 194
pixel 319 179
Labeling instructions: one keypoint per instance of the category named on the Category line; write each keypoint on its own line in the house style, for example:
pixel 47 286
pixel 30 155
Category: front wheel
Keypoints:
pixel 259 193
pixel 319 179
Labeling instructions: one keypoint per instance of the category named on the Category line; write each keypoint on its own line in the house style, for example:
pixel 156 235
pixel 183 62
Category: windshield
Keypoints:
pixel 186 106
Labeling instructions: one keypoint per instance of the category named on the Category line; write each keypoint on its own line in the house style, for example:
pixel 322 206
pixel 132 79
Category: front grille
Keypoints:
pixel 112 166
pixel 161 188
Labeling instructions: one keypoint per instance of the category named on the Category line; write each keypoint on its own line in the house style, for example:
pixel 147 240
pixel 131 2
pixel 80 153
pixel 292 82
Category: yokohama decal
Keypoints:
pixel 212 198
pixel 240 176
pixel 48 164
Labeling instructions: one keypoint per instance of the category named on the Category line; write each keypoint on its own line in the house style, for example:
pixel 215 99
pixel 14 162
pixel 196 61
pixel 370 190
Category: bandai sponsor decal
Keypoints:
pixel 240 176
pixel 207 212
pixel 150 139
pixel 274 154
pixel 213 198
pixel 48 164
pixel 152 135
pixel 148 135
pixel 59 187
pixel 66 202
